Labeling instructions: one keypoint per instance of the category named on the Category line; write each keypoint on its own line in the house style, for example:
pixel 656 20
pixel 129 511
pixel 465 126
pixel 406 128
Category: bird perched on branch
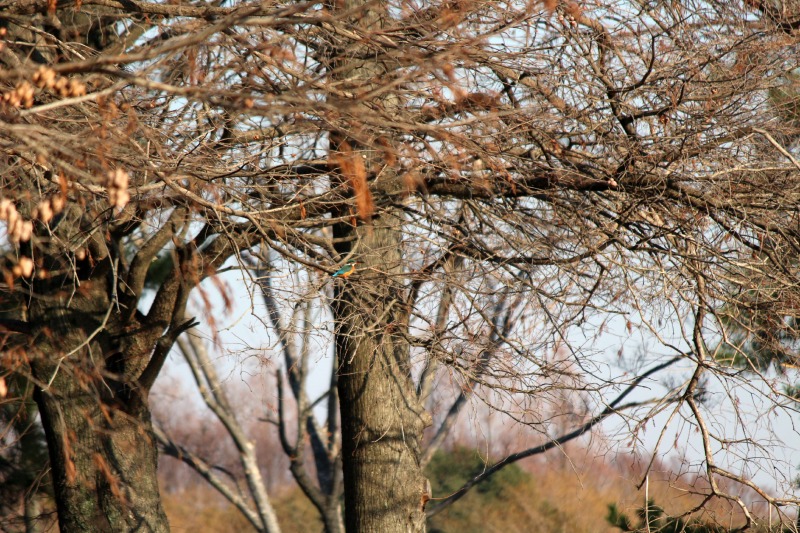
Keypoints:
pixel 346 270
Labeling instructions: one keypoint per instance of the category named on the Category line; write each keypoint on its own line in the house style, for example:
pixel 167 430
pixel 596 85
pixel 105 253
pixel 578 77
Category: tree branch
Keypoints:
pixel 612 408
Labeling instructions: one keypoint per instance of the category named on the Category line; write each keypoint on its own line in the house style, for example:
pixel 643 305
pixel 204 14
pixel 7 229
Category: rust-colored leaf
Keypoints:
pixel 389 154
pixel 550 5
pixel 413 182
pixel 224 291
pixel 574 10
pixel 191 65
pixel 351 166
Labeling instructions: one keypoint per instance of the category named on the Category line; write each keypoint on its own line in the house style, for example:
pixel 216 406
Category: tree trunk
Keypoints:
pixel 86 353
pixel 103 463
pixel 86 361
pixel 382 421
pixel 33 511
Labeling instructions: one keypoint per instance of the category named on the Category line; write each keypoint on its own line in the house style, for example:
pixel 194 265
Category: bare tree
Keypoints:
pixel 294 419
pixel 261 514
pixel 505 175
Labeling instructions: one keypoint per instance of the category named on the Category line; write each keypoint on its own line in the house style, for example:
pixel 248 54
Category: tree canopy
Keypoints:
pixel 509 176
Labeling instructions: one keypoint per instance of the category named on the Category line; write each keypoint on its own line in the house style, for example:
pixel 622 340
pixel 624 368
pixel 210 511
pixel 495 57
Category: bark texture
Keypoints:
pixel 103 467
pixel 94 367
pixel 94 411
pixel 382 420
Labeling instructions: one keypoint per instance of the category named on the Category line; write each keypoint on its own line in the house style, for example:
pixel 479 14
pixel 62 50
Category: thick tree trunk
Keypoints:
pixel 86 352
pixel 103 463
pixel 86 361
pixel 382 421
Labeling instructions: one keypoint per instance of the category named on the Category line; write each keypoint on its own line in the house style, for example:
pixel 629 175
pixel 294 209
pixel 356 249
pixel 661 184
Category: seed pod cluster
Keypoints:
pixel 24 267
pixel 48 208
pixel 18 230
pixel 20 96
pixel 117 185
pixel 46 78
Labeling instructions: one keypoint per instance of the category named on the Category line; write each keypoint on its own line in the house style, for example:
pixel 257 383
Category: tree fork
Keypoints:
pixel 95 414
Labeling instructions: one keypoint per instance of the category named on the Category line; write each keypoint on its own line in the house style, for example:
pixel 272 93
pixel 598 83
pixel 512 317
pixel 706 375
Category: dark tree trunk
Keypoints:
pixel 382 420
pixel 87 360
pixel 91 359
pixel 103 462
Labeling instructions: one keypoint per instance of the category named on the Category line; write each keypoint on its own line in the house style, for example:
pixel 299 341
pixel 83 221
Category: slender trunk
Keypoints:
pixel 382 420
pixel 33 510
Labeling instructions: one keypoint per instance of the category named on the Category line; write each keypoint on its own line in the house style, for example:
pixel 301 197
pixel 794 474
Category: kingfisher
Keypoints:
pixel 346 270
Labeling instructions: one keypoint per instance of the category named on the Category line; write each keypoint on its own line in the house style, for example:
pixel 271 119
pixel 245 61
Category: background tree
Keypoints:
pixel 652 518
pixel 298 323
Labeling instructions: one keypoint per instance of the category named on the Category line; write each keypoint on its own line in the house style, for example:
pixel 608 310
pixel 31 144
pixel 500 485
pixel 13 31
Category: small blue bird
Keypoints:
pixel 346 270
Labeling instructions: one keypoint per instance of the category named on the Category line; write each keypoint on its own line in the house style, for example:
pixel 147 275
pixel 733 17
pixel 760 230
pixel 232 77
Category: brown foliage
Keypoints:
pixel 199 508
pixel 350 164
